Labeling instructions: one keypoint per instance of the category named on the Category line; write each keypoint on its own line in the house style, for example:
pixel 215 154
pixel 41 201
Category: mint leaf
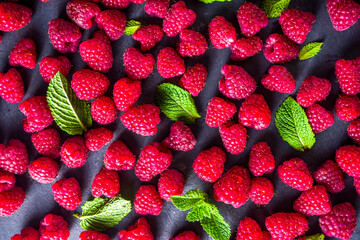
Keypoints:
pixel 101 214
pixel 293 125
pixel 70 113
pixel 198 212
pixel 310 50
pixel 131 27
pixel 318 236
pixel 216 226
pixel 191 199
pixel 176 103
pixel 211 1
pixel 273 8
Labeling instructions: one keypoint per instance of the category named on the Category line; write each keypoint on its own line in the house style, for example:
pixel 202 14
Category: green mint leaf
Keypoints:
pixel 176 103
pixel 200 211
pixel 318 236
pixel 70 113
pixel 216 226
pixel 191 199
pixel 293 125
pixel 310 50
pixel 273 8
pixel 131 27
pixel 101 214
pixel 211 1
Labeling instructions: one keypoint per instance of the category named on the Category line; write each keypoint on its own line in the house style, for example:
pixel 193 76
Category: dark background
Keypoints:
pixel 39 199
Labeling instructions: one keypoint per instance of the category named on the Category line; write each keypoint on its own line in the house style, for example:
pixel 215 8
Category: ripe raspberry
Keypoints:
pixel 236 83
pixel 279 49
pixel 74 152
pixel 147 201
pixel 313 90
pixel 319 118
pixel 54 227
pixel 11 200
pixel 340 222
pixel 140 228
pixel 96 138
pixel 149 35
pixel 357 185
pixel 348 158
pixel 178 18
pixel 267 236
pixel 138 65
pixel 103 110
pixel 28 233
pixel 142 119
pixel 295 173
pixel 7 180
pixel 261 190
pixel 251 19
pixel 23 54
pixel 279 80
pixel 13 16
pixel 329 175
pixel 191 43
pixel 221 32
pixel 82 12
pixel 249 229
pixel 209 164
pixel 186 235
pixel 93 235
pixel 348 75
pixel 67 193
pixel 47 142
pixel 14 157
pixel 354 130
pixel 233 187
pixel 106 183
pixel 296 24
pixel 194 79
pixel 347 107
pixel 315 201
pixel 157 8
pixel 118 4
pixel 245 47
pixel 119 157
pixel 180 138
pixel 126 92
pixel 343 13
pixel 255 113
pixel 65 36
pixel 49 66
pixel 219 111
pixel 44 170
pixel 169 63
pixel 261 160
pixel 88 84
pixel 171 183
pixel 113 22
pixel 233 136
pixel 12 86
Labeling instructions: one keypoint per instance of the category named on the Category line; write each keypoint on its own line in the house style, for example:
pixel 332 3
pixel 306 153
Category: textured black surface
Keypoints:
pixel 39 200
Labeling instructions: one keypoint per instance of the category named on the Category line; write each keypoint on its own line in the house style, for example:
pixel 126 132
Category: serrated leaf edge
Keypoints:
pixel 317 45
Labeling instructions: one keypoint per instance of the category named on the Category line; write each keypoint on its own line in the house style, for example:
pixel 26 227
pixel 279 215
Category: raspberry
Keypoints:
pixel 11 200
pixel 49 66
pixel 233 187
pixel 7 181
pixel 141 228
pixel 171 183
pixel 149 35
pixel 194 79
pixel 82 12
pixel 169 63
pixel 354 130
pixel 74 152
pixel 138 65
pixel 147 201
pixel 251 19
pixel 245 47
pixel 219 111
pixel 340 222
pixel 54 227
pixel 357 185
pixel 209 164
pixel 279 79
pixel 12 86
pixel 221 32
pixel 28 233
pixel 103 110
pixel 106 183
pixel 178 18
pixel 249 229
pixel 118 4
pixel 279 49
pixel 67 193
pixel 343 13
pixel 88 84
pixel 142 119
pixel 113 22
pixel 126 92
pixel 319 118
pixel 255 113
pixel 153 160
pixel 261 160
pixel 93 235
pixel 23 54
pixel 261 190
pixel 233 136
pixel 186 235
pixel 329 175
pixel 348 158
pixel 119 157
pixel 47 142
pixel 96 138
pixel 236 83
pixel 296 24
pixel 347 107
pixel 44 170
pixel 295 173
pixel 157 8
pixel 13 16
pixel 14 157
pixel 180 138
pixel 348 75
pixel 313 90
pixel 267 236
pixel 191 43
pixel 65 36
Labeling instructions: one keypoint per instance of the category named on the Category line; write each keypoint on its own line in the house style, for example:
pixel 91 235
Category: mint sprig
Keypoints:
pixel 273 8
pixel 211 1
pixel 131 27
pixel 310 50
pixel 318 236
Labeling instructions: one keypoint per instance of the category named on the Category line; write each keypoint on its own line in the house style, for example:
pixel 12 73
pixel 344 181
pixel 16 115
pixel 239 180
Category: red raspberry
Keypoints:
pixel 315 201
pixel 245 47
pixel 313 90
pixel 219 111
pixel 103 110
pixel 12 86
pixel 194 79
pixel 249 229
pixel 74 152
pixel 157 8
pixel 11 200
pixel 126 92
pixel 113 22
pixel 348 75
pixel 180 138
pixel 23 54
pixel 96 138
pixel 266 235
pixel 340 222
pixel 295 173
pixel 149 35
pixel 142 119
pixel 65 36
pixel 221 32
pixel 255 113
pixel 233 187
pixel 279 79
pixel 7 180
pixel 261 160
pixel 191 43
pixel 279 49
pixel 141 228
pixel 14 157
pixel 329 175
pixel 169 63
pixel 88 84
pixel 343 13
pixel 138 65
pixel 296 24
pixel 93 235
pixel 54 227
pixel 319 118
pixel 186 235
pixel 354 130
pixel 106 183
pixel 47 142
pixel 286 226
pixel 49 66
pixel 28 233
pixel 119 157
pixel 178 18
pixel 118 4
pixel 137 1
pixel 13 16
pixel 82 12
pixel 233 136
pixel 44 170
pixel 347 107
pixel 348 158
pixel 67 193
pixel 147 201
pixel 153 160
pixel 171 183
pixel 261 190
pixel 209 164
pixel 251 19
pixel 357 184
